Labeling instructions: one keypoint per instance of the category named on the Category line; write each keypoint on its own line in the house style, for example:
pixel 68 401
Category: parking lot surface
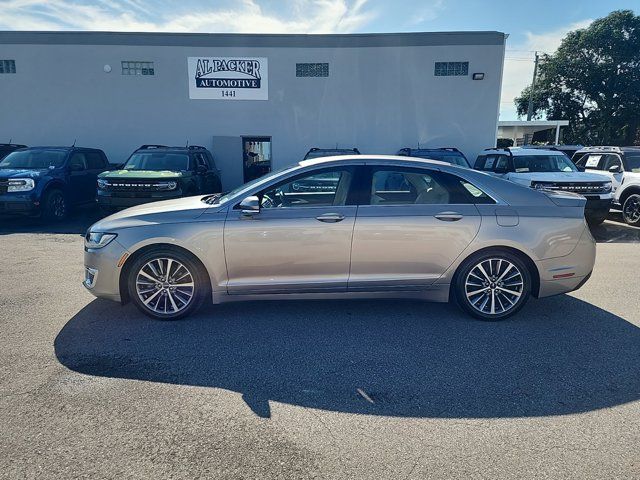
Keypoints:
pixel 334 389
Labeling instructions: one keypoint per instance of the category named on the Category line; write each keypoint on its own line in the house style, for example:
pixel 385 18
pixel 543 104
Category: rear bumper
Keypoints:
pixel 566 274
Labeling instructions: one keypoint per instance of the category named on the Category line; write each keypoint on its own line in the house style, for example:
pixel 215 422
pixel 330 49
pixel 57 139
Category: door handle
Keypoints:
pixel 448 216
pixel 330 217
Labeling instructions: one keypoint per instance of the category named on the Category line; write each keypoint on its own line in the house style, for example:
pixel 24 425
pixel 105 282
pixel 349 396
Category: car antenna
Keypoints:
pixel 187 144
pixel 74 142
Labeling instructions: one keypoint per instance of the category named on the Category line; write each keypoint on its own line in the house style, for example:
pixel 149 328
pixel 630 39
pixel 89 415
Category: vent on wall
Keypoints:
pixel 7 66
pixel 312 69
pixel 451 69
pixel 137 68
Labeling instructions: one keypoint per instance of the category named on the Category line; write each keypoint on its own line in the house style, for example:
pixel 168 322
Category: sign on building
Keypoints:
pixel 228 78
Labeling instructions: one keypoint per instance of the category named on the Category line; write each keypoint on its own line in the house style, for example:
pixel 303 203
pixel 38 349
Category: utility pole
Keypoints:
pixel 533 88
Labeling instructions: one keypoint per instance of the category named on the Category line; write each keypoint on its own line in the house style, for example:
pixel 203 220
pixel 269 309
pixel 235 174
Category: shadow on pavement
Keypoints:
pixel 413 359
pixel 614 230
pixel 77 222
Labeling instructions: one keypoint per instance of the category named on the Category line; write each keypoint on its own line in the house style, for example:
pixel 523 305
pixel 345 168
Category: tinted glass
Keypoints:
pixel 450 157
pixel 403 187
pixel 158 161
pixel 328 153
pixel 543 163
pixel 78 160
pixel 34 159
pixel 633 162
pixel 95 161
pixel 320 189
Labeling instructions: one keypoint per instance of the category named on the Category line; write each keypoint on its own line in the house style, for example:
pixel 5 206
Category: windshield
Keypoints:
pixel 543 163
pixel 248 186
pixel 158 161
pixel 452 158
pixel 34 159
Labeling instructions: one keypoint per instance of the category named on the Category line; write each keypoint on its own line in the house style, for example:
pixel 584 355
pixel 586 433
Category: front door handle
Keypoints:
pixel 448 216
pixel 330 217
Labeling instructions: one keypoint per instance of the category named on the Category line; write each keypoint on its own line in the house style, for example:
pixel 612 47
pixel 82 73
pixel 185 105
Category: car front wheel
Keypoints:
pixel 167 284
pixel 631 210
pixel 492 285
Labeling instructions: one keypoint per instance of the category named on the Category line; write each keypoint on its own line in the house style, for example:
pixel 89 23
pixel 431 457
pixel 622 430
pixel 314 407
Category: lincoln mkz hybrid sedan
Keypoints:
pixel 379 226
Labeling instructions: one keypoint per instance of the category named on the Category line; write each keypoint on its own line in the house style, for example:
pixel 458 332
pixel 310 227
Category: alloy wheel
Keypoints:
pixel 494 286
pixel 631 209
pixel 165 286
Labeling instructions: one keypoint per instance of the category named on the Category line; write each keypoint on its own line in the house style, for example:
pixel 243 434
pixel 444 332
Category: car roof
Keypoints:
pixel 521 151
pixel 391 159
pixel 608 148
pixel 164 148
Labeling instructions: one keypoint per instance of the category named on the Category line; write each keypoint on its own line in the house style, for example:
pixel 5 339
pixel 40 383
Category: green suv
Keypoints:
pixel 158 172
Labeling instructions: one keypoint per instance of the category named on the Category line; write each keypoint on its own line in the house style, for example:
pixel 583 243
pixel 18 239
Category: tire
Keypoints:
pixel 631 210
pixel 54 206
pixel 164 298
pixel 503 272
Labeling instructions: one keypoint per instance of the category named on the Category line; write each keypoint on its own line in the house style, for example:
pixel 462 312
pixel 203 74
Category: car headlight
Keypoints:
pixel 98 239
pixel 21 185
pixel 171 185
pixel 607 186
pixel 102 183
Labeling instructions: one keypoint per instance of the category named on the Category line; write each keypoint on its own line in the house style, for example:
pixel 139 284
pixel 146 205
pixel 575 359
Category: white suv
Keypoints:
pixel 622 166
pixel 552 170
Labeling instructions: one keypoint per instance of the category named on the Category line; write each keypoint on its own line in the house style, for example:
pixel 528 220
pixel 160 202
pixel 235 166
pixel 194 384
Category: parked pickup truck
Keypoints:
pixel 157 172
pixel 49 181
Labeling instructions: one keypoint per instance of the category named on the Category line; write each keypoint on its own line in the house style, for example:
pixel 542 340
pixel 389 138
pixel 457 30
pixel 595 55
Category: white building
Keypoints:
pixel 277 95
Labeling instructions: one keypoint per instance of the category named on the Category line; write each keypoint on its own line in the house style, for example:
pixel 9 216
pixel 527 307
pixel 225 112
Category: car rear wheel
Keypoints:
pixel 54 206
pixel 167 284
pixel 631 210
pixel 493 285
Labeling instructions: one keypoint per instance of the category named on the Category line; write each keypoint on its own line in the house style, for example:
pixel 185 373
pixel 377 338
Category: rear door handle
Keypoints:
pixel 330 217
pixel 448 216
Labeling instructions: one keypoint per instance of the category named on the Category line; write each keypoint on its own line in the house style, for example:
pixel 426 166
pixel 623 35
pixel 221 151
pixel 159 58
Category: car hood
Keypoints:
pixel 140 174
pixel 167 211
pixel 556 176
pixel 22 173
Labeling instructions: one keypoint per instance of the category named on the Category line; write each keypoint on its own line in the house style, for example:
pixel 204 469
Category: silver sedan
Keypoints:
pixel 348 227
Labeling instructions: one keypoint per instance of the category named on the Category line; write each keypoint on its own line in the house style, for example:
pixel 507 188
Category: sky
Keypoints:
pixel 531 26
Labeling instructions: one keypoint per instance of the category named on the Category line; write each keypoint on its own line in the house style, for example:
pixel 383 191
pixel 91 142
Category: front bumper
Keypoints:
pixel 598 204
pixel 120 200
pixel 19 204
pixel 102 274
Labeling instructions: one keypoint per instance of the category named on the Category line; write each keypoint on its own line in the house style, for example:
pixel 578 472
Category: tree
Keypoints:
pixel 592 80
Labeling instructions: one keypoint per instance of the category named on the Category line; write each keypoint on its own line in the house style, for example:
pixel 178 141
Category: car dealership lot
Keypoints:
pixel 335 389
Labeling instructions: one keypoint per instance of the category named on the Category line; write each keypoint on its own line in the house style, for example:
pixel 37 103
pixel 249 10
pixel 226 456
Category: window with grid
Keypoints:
pixel 137 68
pixel 7 66
pixel 312 69
pixel 451 69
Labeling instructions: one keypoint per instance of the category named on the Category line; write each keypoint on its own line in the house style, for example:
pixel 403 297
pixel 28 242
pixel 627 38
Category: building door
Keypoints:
pixel 256 155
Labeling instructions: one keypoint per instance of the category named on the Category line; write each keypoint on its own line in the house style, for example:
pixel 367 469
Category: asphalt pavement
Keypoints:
pixel 319 389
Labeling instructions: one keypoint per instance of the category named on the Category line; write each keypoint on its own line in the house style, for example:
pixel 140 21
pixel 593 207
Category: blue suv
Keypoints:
pixel 48 181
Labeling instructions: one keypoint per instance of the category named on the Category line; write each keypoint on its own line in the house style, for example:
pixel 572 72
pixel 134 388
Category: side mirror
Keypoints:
pixel 250 205
pixel 201 169
pixel 614 169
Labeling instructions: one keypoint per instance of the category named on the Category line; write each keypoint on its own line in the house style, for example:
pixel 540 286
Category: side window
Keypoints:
pixel 78 161
pixel 611 161
pixel 95 161
pixel 201 161
pixel 490 163
pixel 398 186
pixel 632 162
pixel 325 188
pixel 211 161
pixel 407 187
pixel 502 164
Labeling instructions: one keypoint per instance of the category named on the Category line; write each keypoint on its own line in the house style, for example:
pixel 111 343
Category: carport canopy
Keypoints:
pixel 521 130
